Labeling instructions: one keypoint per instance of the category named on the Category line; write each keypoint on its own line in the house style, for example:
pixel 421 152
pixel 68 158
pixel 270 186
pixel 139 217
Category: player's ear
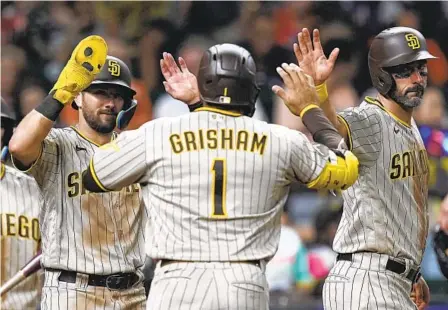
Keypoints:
pixel 78 101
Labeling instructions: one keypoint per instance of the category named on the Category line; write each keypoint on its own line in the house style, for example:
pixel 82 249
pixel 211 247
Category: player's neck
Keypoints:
pixel 92 135
pixel 397 110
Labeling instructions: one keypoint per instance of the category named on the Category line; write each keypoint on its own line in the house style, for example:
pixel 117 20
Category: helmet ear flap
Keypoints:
pixel 385 81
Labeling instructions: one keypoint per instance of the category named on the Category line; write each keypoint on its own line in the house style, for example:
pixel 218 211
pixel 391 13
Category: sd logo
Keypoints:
pixel 413 41
pixel 114 68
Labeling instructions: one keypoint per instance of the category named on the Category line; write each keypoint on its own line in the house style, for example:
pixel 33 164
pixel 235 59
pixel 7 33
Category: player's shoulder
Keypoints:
pixel 278 131
pixel 22 177
pixel 158 123
pixel 367 111
pixel 57 133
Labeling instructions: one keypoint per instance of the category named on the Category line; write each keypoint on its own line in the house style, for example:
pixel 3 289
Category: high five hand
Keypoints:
pixel 311 58
pixel 180 83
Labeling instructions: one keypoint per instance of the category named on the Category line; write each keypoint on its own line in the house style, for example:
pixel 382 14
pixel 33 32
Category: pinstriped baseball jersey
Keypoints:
pixel 215 181
pixel 20 205
pixel 87 232
pixel 385 211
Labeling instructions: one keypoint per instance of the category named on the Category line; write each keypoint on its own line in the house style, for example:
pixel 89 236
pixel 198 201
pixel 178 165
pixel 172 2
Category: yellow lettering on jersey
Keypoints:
pixel 73 184
pixel 133 188
pixel 76 188
pixel 24 228
pixel 258 144
pixel 13 225
pixel 10 224
pixel 395 167
pixel 408 164
pixel 227 139
pixel 35 229
pixel 241 140
pixel 201 139
pixel 176 143
pixel 190 141
pixel 212 139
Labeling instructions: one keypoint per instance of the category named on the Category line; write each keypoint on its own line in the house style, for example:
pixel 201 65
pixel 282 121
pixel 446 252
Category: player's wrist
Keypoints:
pixel 193 105
pixel 308 108
pixel 50 107
pixel 322 91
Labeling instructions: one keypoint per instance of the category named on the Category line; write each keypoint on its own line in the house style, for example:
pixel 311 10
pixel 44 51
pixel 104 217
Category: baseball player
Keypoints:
pixel 20 235
pixel 92 244
pixel 441 238
pixel 382 234
pixel 216 181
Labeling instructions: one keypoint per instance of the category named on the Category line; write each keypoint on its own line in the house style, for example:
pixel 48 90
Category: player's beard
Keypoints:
pixel 407 103
pixel 96 123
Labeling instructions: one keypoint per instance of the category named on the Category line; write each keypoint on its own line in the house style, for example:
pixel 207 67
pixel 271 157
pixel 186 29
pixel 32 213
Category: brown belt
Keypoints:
pixel 165 262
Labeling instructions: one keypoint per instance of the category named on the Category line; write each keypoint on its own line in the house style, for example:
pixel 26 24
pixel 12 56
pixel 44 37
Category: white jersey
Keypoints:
pixel 215 182
pixel 20 236
pixel 86 232
pixel 386 210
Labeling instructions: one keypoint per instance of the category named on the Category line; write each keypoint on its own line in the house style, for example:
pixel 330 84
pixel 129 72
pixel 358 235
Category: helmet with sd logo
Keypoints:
pixel 392 47
pixel 116 74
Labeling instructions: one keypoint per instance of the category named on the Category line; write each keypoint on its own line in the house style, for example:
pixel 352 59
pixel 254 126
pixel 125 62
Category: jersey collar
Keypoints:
pixel 376 102
pixel 114 136
pixel 218 110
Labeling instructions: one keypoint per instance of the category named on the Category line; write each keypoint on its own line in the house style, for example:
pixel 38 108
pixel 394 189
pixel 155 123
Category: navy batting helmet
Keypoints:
pixel 392 47
pixel 227 78
pixel 116 74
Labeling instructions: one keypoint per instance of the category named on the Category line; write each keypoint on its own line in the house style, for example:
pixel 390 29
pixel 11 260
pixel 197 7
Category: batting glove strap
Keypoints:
pixel 50 107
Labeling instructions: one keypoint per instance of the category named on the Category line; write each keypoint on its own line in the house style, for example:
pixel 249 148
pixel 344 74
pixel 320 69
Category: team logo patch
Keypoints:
pixel 413 41
pixel 114 68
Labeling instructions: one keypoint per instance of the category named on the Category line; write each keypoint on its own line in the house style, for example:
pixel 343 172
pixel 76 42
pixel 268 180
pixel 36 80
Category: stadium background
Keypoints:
pixel 37 38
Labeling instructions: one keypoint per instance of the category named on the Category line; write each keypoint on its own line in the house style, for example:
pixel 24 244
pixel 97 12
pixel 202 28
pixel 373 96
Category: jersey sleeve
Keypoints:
pixel 307 159
pixel 44 169
pixel 364 134
pixel 119 163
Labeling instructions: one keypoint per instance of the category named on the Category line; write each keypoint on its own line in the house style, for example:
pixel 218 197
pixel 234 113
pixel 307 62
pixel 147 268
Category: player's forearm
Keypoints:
pixel 322 130
pixel 331 114
pixel 26 142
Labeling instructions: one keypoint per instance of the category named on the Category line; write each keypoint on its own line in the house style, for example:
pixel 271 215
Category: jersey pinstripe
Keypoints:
pixel 386 210
pixel 86 232
pixel 20 236
pixel 215 182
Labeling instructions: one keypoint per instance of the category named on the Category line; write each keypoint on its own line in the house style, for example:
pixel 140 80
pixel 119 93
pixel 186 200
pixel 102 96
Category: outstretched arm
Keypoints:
pixel 119 163
pixel 85 63
pixel 328 166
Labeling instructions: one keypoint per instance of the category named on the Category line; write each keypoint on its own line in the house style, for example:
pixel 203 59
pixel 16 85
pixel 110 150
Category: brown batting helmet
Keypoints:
pixel 392 47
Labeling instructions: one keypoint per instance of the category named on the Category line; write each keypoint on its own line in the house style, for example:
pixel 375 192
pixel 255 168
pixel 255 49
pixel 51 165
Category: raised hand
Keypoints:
pixel 180 83
pixel 311 58
pixel 300 91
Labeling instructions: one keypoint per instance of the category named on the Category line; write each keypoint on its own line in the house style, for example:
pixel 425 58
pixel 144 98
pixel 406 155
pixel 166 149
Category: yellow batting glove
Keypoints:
pixel 85 63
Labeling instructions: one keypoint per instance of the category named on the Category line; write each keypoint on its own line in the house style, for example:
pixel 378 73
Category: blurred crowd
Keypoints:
pixel 37 38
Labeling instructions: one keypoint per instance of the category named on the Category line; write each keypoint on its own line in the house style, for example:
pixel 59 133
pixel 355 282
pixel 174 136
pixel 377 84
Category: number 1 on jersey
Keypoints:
pixel 219 184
